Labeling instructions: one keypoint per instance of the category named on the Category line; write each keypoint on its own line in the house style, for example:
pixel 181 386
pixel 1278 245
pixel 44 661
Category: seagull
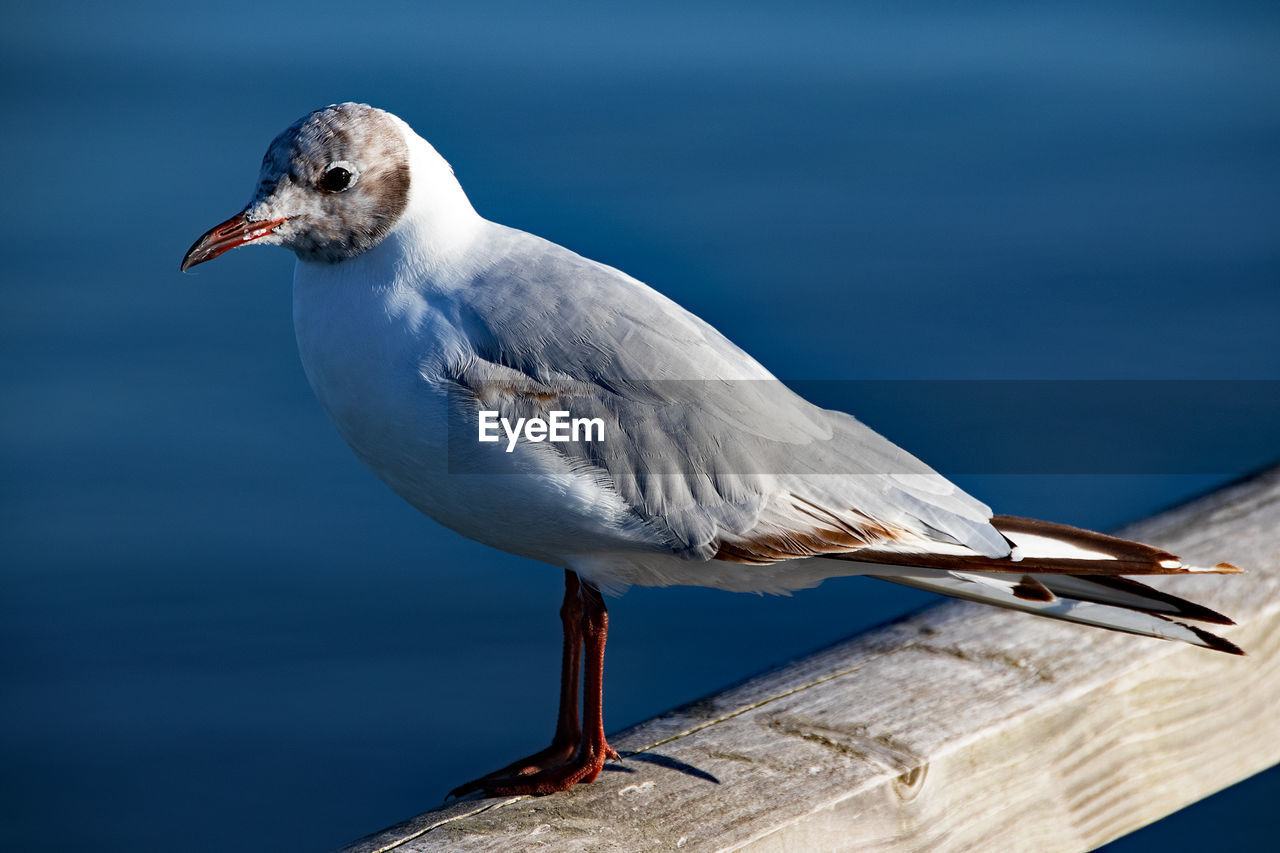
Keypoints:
pixel 419 323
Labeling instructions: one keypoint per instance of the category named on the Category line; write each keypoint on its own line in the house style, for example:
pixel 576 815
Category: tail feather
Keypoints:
pixel 1063 573
pixel 991 589
pixel 1042 547
pixel 1125 592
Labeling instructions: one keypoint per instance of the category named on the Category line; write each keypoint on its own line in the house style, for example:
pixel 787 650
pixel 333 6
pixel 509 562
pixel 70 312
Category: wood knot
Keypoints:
pixel 909 785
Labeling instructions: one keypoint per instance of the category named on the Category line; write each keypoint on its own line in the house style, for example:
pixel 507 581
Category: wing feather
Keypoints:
pixel 701 442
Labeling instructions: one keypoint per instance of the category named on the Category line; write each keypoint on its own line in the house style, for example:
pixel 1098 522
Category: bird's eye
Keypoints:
pixel 336 178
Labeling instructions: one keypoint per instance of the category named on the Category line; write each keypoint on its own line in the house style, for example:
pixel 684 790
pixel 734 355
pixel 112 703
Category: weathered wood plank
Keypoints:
pixel 961 728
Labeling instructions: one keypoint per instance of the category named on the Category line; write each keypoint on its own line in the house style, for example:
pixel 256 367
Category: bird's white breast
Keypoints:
pixel 375 346
pixel 362 341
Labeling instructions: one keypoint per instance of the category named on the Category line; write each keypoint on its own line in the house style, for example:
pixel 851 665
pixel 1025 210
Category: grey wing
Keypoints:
pixel 699 440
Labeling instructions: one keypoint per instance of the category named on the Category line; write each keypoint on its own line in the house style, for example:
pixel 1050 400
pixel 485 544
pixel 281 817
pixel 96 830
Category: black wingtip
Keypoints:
pixel 1213 641
pixel 1200 613
pixel 1181 608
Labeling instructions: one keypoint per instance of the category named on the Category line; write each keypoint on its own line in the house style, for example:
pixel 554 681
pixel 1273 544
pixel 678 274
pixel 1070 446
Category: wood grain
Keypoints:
pixel 960 728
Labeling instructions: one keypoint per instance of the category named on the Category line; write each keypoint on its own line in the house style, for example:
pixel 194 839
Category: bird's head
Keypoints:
pixel 332 186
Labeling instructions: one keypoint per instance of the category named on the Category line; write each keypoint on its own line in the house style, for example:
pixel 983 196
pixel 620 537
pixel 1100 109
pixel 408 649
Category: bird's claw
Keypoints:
pixel 536 775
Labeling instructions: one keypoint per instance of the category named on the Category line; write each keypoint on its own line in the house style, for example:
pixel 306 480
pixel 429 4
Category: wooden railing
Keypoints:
pixel 960 728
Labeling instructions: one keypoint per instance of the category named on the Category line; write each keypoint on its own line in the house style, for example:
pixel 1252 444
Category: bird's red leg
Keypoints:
pixel 585 763
pixel 595 632
pixel 568 729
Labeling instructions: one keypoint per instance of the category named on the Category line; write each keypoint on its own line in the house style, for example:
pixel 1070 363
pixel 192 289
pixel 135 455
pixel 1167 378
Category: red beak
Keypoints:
pixel 236 231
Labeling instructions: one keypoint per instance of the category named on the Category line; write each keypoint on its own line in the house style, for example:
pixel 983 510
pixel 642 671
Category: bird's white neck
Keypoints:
pixel 438 210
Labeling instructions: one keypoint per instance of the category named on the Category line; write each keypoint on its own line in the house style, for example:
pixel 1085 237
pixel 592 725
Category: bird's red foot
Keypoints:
pixel 553 756
pixel 547 772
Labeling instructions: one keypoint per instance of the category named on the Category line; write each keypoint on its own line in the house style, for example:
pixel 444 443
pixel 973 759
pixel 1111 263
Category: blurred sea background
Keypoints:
pixel 218 631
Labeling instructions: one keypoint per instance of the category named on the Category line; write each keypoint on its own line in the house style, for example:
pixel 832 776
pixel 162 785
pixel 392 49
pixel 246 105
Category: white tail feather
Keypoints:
pixel 999 590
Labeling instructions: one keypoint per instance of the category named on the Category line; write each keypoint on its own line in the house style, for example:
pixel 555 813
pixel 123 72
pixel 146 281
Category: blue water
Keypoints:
pixel 217 626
